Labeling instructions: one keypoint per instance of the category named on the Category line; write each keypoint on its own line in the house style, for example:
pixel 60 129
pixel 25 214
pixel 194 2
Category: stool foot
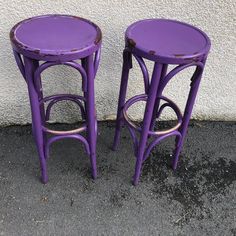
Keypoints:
pixel 135 181
pixel 176 157
pixel 44 179
pixel 43 165
pixel 138 167
pixel 93 166
pixel 178 148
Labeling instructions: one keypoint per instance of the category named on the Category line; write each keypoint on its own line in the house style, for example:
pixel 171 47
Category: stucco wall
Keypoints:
pixel 217 96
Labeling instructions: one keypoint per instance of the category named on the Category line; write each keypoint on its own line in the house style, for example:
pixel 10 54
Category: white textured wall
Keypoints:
pixel 217 96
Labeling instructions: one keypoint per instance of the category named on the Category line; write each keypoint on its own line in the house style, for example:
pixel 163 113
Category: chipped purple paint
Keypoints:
pixel 164 42
pixel 58 40
pixel 172 41
pixel 49 37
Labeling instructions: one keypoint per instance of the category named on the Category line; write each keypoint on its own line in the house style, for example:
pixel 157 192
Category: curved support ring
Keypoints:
pixel 163 106
pixel 170 104
pixel 63 97
pixel 67 132
pixel 143 97
pixel 73 64
pixel 175 71
pixel 158 140
pixel 144 71
pixel 74 136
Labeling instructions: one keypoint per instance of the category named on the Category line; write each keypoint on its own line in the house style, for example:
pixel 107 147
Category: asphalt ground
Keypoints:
pixel 199 198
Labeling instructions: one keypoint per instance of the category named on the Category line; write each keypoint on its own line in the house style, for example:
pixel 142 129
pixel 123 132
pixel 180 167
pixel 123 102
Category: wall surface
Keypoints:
pixel 217 96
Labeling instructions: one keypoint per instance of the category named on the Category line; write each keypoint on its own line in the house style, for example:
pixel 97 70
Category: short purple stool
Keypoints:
pixel 50 40
pixel 164 42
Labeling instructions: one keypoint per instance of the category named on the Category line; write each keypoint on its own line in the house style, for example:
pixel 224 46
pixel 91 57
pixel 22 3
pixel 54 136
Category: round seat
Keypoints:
pixel 167 41
pixel 56 37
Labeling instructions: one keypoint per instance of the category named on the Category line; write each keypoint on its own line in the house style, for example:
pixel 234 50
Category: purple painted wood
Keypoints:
pixel 167 41
pixel 164 42
pixel 58 40
pixel 56 37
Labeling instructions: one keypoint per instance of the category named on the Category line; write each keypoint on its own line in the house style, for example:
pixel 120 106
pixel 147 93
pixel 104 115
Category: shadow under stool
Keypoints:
pixel 165 42
pixel 46 41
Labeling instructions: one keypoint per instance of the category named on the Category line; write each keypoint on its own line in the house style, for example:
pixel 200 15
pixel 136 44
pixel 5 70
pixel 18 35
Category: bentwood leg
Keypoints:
pixel 157 102
pixel 195 81
pixel 30 67
pixel 127 64
pixel 91 115
pixel 151 97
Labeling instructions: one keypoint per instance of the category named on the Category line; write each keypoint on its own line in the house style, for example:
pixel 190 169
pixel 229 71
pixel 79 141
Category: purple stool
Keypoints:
pixel 164 42
pixel 58 40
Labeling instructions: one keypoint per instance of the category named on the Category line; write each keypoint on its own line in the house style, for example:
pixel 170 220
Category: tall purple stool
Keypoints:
pixel 164 42
pixel 50 40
